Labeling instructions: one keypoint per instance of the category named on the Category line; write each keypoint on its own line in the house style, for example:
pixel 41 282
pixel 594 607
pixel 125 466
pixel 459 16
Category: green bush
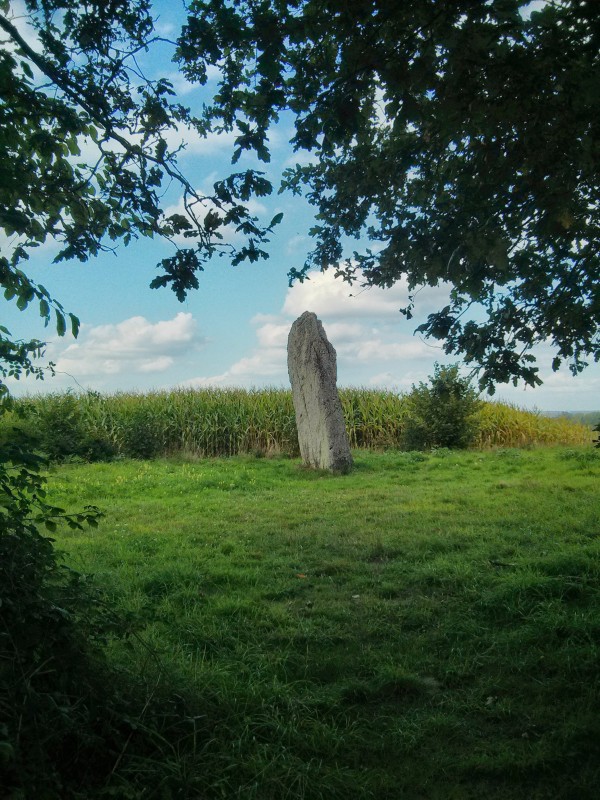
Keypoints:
pixel 443 413
pixel 50 625
pixel 72 725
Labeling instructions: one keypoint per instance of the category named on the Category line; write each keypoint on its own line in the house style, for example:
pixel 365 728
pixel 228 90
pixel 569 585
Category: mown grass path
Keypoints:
pixel 426 627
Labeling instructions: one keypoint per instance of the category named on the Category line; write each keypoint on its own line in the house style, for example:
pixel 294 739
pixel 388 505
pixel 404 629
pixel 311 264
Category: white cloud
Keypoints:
pixel 49 248
pixel 203 382
pixel 346 332
pixel 132 346
pixel 302 158
pixel 180 83
pixel 298 243
pixel 213 73
pixel 366 330
pixel 399 381
pixel 266 365
pixel 570 394
pixel 18 15
pixel 383 380
pixel 181 138
pixel 271 334
pixel 267 362
pixel 159 364
pixel 374 350
pixel 332 297
pixel 563 382
pixel 259 319
pixel 164 28
pixel 195 144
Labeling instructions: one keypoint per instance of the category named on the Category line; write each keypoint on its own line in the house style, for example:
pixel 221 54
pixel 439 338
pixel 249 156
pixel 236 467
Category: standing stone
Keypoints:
pixel 313 374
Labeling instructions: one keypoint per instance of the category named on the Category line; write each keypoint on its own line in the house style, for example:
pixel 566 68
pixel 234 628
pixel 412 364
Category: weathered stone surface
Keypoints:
pixel 313 374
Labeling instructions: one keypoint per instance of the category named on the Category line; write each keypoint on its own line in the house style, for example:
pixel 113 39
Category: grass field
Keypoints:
pixel 426 627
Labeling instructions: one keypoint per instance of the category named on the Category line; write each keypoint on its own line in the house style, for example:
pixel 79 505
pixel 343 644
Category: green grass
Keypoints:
pixel 426 627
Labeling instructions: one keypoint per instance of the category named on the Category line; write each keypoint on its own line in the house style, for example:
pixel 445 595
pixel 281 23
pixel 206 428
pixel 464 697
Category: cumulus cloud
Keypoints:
pixel 381 350
pixel 204 382
pixel 182 138
pixel 195 144
pixel 369 334
pixel 267 362
pixel 266 365
pixel 298 243
pixel 399 381
pixel 563 382
pixel 383 380
pixel 348 332
pixel 332 297
pixel 135 345
pixel 272 334
pixel 302 158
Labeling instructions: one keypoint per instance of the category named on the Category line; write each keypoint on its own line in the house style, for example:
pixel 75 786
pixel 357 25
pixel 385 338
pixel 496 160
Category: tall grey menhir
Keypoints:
pixel 313 374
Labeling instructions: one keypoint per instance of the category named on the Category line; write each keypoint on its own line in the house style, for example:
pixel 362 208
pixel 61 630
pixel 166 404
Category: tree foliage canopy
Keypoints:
pixel 86 155
pixel 462 136
pixel 85 160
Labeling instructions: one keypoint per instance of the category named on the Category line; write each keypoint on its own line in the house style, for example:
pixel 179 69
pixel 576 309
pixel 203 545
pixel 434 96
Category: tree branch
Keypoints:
pixel 75 95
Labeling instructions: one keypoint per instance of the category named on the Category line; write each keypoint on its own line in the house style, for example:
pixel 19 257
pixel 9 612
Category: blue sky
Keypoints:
pixel 233 330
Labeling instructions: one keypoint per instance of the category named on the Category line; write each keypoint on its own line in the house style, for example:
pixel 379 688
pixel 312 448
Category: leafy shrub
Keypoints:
pixel 45 649
pixel 442 414
pixel 71 725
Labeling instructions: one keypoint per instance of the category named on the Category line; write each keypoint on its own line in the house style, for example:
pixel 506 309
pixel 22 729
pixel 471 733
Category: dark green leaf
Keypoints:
pixel 61 325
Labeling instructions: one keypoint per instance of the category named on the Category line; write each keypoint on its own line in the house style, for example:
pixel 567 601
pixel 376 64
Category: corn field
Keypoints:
pixel 223 422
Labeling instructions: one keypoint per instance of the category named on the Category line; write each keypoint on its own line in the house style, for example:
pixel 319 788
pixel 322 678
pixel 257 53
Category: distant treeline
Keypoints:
pixel 217 422
pixel 589 418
